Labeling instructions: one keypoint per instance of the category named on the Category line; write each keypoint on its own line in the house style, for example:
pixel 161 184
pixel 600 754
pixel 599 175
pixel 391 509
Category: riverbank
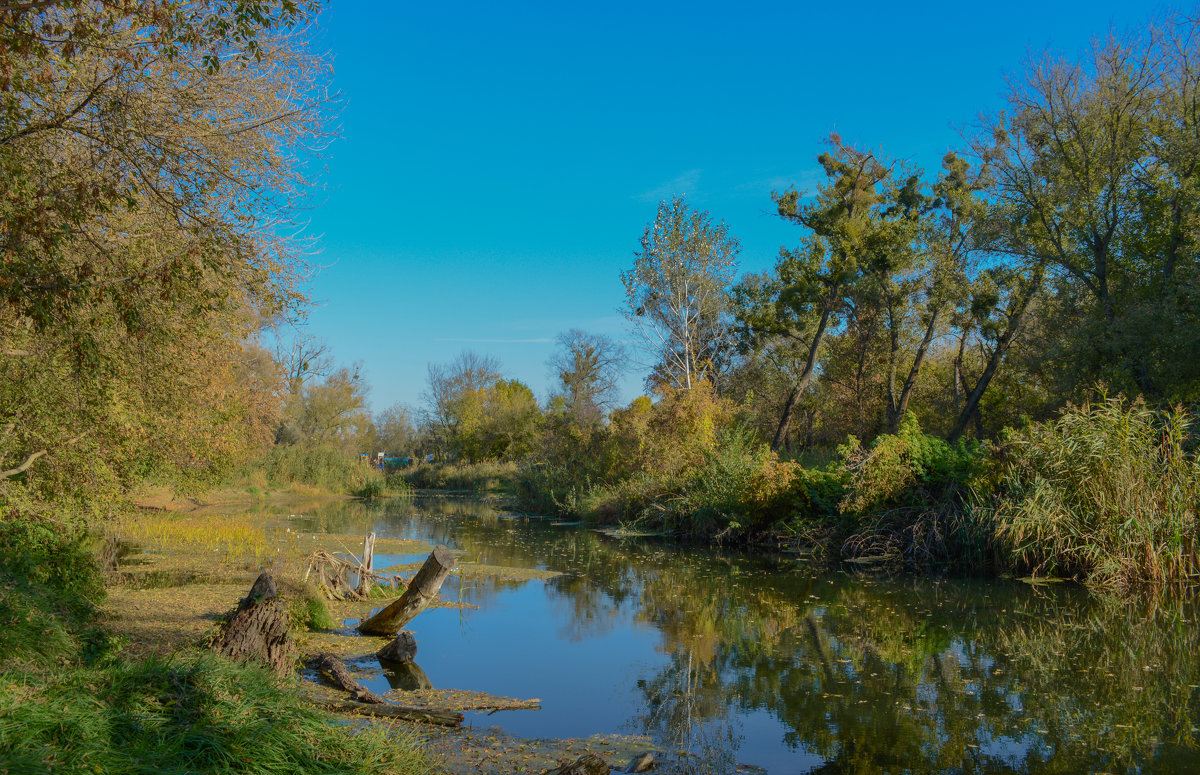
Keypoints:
pixel 1105 494
pixel 164 598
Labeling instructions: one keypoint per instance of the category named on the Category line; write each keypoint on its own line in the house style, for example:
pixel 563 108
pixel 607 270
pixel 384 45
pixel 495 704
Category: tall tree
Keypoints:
pixel 676 292
pixel 808 289
pixel 147 163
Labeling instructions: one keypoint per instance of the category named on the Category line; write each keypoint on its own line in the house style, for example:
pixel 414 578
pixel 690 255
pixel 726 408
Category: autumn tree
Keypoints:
pixel 588 367
pixel 147 164
pixel 675 293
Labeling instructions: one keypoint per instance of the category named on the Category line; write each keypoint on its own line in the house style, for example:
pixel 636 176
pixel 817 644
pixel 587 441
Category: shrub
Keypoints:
pixel 907 500
pixel 1108 493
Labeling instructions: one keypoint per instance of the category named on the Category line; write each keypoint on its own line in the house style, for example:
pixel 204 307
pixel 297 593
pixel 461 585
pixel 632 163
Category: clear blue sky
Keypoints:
pixel 498 161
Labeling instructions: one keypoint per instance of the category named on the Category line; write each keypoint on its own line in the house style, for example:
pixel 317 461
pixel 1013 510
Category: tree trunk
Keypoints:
pixel 401 651
pixel 258 630
pixel 901 407
pixel 588 764
pixel 1002 344
pixel 801 384
pixel 421 591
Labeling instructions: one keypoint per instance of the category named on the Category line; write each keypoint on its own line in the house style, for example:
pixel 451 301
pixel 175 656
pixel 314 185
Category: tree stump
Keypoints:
pixel 421 591
pixel 258 630
pixel 368 565
pixel 401 651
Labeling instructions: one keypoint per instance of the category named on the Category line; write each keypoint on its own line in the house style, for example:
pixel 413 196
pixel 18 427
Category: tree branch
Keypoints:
pixel 21 468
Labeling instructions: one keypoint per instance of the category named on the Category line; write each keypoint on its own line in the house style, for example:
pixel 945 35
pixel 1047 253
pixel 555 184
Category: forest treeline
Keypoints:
pixel 992 366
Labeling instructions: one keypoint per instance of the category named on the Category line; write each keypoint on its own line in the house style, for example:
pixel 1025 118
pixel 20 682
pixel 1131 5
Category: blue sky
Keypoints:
pixel 498 161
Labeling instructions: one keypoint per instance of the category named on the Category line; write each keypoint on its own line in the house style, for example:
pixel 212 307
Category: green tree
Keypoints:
pixel 803 297
pixel 676 293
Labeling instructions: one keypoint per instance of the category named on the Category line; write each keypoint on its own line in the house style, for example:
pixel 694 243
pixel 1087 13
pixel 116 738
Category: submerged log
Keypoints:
pixel 588 764
pixel 258 629
pixel 336 671
pixel 421 591
pixel 641 763
pixel 401 651
pixel 421 715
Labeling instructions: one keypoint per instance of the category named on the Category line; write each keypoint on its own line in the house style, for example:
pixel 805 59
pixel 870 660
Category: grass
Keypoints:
pixel 1108 493
pixel 315 470
pixel 72 700
pixel 488 476
pixel 230 536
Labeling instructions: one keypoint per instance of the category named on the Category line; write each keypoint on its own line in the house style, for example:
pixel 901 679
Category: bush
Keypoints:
pixel 474 477
pixel 325 468
pixel 1108 493
pixel 908 500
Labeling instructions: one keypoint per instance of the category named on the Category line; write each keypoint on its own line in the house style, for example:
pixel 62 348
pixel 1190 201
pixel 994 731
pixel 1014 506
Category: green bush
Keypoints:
pixel 1108 493
pixel 908 501
pixel 473 477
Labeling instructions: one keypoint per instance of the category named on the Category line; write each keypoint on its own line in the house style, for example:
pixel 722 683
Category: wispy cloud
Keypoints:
pixel 467 340
pixel 805 181
pixel 684 184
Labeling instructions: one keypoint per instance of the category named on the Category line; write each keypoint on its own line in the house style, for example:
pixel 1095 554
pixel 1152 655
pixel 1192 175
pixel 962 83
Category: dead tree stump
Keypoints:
pixel 421 591
pixel 401 651
pixel 368 565
pixel 258 630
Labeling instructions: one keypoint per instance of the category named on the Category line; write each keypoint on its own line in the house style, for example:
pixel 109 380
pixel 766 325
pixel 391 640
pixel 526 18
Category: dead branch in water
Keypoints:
pixel 333 576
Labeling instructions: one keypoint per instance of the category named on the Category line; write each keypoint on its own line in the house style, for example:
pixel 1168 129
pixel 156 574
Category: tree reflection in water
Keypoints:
pixel 868 674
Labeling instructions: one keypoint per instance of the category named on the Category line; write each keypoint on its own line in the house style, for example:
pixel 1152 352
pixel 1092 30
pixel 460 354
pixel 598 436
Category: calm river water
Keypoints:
pixel 760 660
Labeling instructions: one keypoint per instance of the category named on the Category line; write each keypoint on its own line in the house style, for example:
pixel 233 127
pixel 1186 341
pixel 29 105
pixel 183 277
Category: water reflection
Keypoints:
pixel 761 660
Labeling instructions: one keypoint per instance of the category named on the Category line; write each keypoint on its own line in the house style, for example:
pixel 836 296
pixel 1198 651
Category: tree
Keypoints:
pixel 395 430
pixel 146 166
pixel 448 386
pixel 676 292
pixel 588 367
pixel 798 302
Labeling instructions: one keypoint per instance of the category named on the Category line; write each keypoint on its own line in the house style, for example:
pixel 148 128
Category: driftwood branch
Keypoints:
pixel 441 718
pixel 336 671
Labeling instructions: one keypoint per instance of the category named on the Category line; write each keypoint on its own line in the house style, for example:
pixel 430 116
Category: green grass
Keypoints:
pixel 489 476
pixel 1108 493
pixel 321 469
pixel 70 701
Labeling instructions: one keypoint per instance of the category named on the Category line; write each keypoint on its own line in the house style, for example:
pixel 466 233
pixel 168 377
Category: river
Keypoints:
pixel 762 661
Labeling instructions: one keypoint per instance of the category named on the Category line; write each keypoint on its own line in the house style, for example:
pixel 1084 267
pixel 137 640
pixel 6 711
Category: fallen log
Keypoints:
pixel 422 589
pixel 258 629
pixel 424 716
pixel 336 671
pixel 641 763
pixel 588 764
